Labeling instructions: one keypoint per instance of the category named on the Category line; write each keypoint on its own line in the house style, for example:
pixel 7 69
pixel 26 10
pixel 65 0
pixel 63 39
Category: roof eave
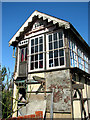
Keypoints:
pixel 40 15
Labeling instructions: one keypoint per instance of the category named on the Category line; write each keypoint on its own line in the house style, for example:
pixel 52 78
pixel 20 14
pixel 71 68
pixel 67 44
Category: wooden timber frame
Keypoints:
pixel 35 80
pixel 42 81
pixel 78 87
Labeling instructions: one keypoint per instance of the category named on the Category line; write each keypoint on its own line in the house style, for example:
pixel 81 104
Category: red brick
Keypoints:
pixel 39 114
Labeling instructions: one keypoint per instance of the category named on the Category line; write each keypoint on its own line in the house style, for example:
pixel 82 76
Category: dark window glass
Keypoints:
pixel 55 44
pixel 36 41
pixel 56 53
pixel 32 58
pixel 22 55
pixel 56 62
pixel 50 46
pixel 32 42
pixel 32 49
pixel 40 64
pixel 40 39
pixel 36 64
pixel 50 38
pixel 50 63
pixel 25 54
pixel 55 36
pixel 40 56
pixel 36 57
pixel 62 61
pixel 36 48
pixel 60 43
pixel 51 54
pixel 61 52
pixel 60 35
pixel 41 47
pixel 32 66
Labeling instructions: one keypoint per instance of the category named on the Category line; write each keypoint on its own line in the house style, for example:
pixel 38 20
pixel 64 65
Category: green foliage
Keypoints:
pixel 7 95
pixel 6 92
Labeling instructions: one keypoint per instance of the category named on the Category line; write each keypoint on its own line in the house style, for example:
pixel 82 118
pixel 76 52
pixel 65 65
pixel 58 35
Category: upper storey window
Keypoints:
pixel 23 54
pixel 73 54
pixel 77 57
pixel 37 53
pixel 55 50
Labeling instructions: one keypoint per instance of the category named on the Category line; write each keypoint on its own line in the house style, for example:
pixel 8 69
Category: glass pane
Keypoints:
pixel 56 62
pixel 36 64
pixel 40 64
pixel 70 53
pixel 32 58
pixel 25 54
pixel 55 45
pixel 32 50
pixel 41 47
pixel 60 43
pixel 32 66
pixel 40 56
pixel 60 35
pixel 40 39
pixel 50 38
pixel 36 57
pixel 61 52
pixel 22 55
pixel 51 54
pixel 36 41
pixel 71 61
pixel 55 36
pixel 62 61
pixel 50 46
pixel 56 53
pixel 36 48
pixel 50 63
pixel 32 42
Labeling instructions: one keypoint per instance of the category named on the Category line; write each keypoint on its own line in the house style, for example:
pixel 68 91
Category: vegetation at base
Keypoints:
pixel 6 102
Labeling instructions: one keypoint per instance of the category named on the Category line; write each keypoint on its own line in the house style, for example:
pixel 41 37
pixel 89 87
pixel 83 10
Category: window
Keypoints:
pixel 23 54
pixel 37 53
pixel 86 63
pixel 77 56
pixel 73 54
pixel 80 59
pixel 56 51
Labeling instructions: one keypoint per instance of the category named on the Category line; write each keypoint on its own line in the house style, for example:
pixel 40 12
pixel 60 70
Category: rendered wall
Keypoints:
pixel 60 81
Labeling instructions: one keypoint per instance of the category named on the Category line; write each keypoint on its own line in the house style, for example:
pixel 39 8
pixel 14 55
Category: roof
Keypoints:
pixel 40 15
pixel 50 18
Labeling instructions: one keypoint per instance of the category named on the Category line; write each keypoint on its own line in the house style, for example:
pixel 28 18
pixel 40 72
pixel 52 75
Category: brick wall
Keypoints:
pixel 38 114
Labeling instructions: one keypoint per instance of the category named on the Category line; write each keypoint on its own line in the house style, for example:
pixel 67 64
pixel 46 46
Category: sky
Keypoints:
pixel 14 14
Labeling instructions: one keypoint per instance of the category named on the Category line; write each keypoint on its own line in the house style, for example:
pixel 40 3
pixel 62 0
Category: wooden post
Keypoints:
pixel 81 105
pixel 72 98
pixel 51 111
pixel 87 98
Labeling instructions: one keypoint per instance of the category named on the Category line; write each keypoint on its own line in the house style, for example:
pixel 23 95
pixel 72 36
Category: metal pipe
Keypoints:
pixel 14 56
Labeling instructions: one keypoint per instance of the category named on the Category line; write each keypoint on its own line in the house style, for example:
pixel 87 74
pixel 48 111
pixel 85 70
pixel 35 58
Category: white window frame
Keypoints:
pixel 80 56
pixel 39 69
pixel 47 51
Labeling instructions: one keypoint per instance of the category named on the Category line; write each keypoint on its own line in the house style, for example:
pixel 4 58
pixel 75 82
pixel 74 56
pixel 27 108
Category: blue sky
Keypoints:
pixel 14 14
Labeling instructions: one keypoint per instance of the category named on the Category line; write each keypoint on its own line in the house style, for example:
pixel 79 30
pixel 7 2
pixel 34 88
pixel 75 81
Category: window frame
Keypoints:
pixel 47 51
pixel 80 56
pixel 24 54
pixel 38 69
